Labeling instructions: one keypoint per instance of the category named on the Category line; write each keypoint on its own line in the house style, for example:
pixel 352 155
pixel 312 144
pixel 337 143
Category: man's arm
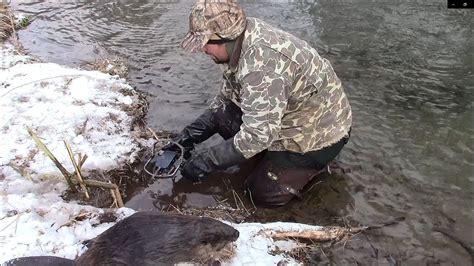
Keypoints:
pixel 264 98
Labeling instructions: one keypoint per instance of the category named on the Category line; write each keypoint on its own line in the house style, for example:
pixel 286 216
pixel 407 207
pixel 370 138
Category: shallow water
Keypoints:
pixel 408 71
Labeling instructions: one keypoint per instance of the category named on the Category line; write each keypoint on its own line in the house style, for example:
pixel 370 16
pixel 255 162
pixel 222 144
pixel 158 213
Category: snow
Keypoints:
pixel 86 109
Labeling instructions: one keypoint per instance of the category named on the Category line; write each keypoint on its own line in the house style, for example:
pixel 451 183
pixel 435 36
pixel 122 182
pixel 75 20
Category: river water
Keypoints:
pixel 408 71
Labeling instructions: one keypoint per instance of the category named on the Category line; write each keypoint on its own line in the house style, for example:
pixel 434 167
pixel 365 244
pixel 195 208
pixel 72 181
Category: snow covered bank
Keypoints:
pixel 85 108
pixel 88 109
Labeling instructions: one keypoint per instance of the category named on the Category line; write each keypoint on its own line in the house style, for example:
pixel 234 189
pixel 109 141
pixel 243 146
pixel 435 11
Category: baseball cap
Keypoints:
pixel 213 20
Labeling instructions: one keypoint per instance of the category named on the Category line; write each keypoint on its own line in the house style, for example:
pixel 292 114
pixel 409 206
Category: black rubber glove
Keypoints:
pixel 218 157
pixel 198 131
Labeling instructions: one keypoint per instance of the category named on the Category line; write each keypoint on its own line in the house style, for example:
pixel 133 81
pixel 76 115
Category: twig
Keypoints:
pixel 174 207
pixel 235 200
pixel 327 233
pixel 220 202
pixel 16 220
pixel 95 183
pixel 15 39
pixel 45 149
pixel 241 202
pixel 153 133
pixel 78 169
pixel 118 196
pixel 22 172
pixel 83 160
pixel 377 226
pixel 251 200
pixel 115 199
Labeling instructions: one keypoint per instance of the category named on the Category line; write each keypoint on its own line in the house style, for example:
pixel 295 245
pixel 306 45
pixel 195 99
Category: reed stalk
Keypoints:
pixel 77 168
pixel 77 178
pixel 56 162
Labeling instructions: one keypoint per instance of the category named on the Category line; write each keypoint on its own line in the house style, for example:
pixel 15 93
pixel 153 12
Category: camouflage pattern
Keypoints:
pixel 290 97
pixel 209 17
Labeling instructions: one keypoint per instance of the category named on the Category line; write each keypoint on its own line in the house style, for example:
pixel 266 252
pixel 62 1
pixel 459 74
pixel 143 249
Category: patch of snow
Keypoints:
pixel 9 57
pixel 63 104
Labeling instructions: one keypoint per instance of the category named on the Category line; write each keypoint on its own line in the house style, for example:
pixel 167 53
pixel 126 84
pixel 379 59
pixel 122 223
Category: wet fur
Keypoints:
pixel 39 261
pixel 151 238
pixel 148 238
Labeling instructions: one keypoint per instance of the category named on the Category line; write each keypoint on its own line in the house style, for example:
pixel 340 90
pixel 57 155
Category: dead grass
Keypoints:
pixel 221 212
pixel 8 27
pixel 212 255
pixel 113 65
pixel 6 24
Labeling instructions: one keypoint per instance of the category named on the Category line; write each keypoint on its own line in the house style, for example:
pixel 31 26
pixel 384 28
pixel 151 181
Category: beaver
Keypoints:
pixel 149 238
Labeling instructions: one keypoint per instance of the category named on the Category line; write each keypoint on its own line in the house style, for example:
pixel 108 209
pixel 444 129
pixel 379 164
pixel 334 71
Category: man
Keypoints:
pixel 279 99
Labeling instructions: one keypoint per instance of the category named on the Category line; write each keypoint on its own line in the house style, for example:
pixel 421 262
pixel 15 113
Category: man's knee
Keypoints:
pixel 271 185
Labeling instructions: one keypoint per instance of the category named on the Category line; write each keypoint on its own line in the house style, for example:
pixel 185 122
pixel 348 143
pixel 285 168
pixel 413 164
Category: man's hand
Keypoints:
pixel 198 131
pixel 196 168
pixel 218 157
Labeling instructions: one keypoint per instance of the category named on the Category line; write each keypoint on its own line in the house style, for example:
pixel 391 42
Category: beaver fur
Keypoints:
pixel 149 238
pixel 40 261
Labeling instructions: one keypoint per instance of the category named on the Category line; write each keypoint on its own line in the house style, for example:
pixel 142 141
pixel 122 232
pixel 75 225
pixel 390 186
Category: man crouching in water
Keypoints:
pixel 279 98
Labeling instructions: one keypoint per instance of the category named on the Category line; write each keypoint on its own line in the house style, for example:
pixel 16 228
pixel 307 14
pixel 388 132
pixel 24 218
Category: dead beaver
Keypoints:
pixel 150 238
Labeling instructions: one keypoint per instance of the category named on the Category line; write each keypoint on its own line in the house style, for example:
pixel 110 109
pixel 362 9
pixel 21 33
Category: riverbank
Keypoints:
pixel 408 75
pixel 88 110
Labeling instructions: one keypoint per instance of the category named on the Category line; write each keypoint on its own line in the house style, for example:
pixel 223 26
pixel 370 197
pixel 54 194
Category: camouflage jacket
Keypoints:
pixel 290 97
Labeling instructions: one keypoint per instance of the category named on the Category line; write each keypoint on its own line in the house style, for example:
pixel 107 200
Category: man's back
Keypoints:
pixel 298 83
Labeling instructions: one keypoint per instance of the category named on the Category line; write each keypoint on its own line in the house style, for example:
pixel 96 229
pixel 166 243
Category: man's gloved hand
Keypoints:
pixel 198 131
pixel 218 157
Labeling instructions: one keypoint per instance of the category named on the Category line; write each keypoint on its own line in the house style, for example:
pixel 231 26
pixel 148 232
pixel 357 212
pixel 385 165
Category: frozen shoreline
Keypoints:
pixel 84 108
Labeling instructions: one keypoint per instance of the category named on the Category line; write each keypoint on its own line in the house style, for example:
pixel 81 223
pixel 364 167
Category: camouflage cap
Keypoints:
pixel 222 18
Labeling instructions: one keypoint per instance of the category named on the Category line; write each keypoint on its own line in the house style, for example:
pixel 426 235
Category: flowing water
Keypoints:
pixel 408 71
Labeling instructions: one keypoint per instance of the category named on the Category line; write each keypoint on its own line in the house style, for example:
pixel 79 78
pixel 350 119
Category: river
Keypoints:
pixel 407 67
